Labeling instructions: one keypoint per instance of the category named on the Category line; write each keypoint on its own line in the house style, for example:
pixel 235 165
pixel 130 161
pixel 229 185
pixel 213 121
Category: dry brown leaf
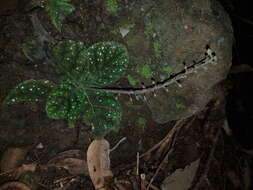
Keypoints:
pixel 24 168
pixel 67 154
pixel 13 158
pixel 71 161
pixel 14 185
pixel 181 179
pixel 99 162
pixel 73 165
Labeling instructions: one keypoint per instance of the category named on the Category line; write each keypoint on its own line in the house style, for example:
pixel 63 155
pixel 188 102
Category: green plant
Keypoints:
pixel 82 71
pixel 111 6
pixel 58 10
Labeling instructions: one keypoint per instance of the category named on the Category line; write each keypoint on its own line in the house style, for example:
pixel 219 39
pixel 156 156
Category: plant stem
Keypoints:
pixel 163 84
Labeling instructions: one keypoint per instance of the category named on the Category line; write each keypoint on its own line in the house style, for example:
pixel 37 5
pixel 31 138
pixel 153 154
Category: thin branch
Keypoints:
pixel 160 166
pixel 165 139
pixel 210 158
pixel 171 143
pixel 137 163
pixel 160 85
pixel 116 146
pixel 151 186
pixel 166 143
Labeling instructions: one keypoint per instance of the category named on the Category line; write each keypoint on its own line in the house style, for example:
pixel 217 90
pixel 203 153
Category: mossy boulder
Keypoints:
pixel 160 36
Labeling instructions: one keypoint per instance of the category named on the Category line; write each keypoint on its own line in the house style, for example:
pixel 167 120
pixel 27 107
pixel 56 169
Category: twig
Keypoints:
pixel 151 186
pixel 210 158
pixel 158 169
pixel 116 146
pixel 178 123
pixel 134 183
pixel 137 163
pixel 174 132
pixel 168 139
pixel 163 84
pixel 64 179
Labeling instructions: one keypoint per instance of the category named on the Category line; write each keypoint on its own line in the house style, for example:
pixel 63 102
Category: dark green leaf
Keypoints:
pixel 30 90
pixel 58 10
pixel 66 102
pixel 70 57
pixel 102 64
pixel 107 62
pixel 103 114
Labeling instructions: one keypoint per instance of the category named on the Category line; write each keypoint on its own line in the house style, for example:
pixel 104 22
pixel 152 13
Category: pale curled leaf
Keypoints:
pixel 98 161
pixel 123 31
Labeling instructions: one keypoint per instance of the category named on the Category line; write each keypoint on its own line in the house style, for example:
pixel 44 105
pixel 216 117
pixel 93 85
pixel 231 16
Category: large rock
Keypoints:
pixel 161 35
pixel 181 29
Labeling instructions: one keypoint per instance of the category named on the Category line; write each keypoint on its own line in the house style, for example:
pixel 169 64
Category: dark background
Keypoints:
pixel 240 95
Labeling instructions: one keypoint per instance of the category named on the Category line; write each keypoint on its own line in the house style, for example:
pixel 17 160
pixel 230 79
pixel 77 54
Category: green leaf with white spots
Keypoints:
pixel 107 62
pixel 71 59
pixel 103 114
pixel 100 65
pixel 58 10
pixel 66 102
pixel 29 90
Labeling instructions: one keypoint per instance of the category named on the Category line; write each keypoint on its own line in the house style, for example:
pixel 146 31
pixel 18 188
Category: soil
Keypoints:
pixel 222 161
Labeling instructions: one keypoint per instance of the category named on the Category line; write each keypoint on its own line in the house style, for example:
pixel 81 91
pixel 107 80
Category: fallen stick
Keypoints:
pixel 170 140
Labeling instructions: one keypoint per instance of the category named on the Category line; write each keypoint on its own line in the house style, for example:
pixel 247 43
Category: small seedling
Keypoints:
pixel 58 10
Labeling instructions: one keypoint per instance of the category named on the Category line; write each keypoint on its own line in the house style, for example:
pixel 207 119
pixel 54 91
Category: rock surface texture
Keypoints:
pixel 162 36
pixel 183 29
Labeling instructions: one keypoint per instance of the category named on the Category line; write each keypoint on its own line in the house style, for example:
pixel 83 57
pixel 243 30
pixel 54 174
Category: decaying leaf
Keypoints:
pixel 23 169
pixel 13 158
pixel 73 165
pixel 99 162
pixel 67 154
pixel 70 160
pixel 14 185
pixel 181 179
